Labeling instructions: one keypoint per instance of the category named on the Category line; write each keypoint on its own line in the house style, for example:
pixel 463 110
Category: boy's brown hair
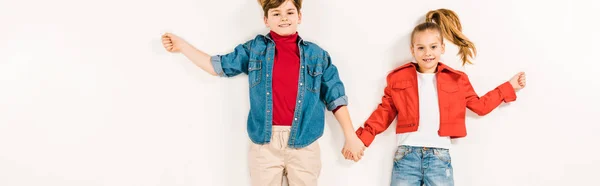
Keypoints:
pixel 269 4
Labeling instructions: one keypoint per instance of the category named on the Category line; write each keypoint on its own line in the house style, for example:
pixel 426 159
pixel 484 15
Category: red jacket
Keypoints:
pixel 455 94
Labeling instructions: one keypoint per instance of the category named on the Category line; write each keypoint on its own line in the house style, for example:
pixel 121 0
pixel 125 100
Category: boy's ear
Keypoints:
pixel 299 17
pixel 266 23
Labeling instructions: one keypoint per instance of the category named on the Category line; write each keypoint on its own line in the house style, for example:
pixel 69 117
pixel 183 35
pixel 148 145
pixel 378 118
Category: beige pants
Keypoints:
pixel 270 162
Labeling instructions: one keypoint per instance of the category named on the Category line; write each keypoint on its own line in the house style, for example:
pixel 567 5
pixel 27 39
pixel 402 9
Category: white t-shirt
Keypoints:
pixel 429 122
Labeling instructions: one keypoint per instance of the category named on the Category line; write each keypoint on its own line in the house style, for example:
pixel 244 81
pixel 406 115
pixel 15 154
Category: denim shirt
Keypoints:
pixel 319 87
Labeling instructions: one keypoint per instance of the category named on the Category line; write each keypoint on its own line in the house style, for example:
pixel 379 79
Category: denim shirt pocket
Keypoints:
pixel 314 77
pixel 254 72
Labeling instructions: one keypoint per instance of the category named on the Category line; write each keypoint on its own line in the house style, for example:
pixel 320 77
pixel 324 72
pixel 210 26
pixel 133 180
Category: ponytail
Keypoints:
pixel 447 23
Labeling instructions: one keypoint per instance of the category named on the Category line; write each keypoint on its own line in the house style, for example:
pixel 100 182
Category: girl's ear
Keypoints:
pixel 443 48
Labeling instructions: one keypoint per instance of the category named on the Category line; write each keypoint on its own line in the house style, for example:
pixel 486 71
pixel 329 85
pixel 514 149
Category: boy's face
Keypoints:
pixel 427 49
pixel 284 19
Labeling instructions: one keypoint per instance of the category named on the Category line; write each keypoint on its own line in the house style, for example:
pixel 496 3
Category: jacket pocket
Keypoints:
pixel 254 72
pixel 450 99
pixel 314 77
pixel 449 87
pixel 402 93
pixel 402 85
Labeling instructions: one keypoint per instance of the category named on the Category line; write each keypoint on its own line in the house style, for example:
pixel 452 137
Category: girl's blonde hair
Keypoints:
pixel 268 4
pixel 446 22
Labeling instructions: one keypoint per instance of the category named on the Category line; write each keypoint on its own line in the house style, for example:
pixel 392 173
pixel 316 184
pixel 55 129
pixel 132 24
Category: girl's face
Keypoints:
pixel 427 47
pixel 284 19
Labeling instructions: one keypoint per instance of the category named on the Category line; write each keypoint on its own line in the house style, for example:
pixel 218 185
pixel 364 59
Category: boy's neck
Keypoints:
pixel 286 39
pixel 274 34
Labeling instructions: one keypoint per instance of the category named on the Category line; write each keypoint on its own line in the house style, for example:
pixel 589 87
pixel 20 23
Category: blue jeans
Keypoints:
pixel 417 166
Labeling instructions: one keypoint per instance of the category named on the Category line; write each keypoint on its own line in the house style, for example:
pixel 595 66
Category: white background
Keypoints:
pixel 88 96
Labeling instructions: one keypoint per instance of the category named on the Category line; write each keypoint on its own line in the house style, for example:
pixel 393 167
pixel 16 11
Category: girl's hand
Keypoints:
pixel 518 81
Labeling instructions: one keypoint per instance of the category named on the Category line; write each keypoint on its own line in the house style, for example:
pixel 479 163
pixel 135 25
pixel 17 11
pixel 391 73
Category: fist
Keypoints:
pixel 518 81
pixel 172 43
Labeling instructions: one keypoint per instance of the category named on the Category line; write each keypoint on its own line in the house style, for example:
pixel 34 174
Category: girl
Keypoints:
pixel 429 100
pixel 291 83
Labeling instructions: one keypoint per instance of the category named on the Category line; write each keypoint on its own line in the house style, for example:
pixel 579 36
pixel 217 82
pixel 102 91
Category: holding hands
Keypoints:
pixel 353 149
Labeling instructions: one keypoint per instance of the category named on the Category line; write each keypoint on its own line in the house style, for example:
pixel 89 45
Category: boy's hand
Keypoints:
pixel 172 43
pixel 518 81
pixel 353 149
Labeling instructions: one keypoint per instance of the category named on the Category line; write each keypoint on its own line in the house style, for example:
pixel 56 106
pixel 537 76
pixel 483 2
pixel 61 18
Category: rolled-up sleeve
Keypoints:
pixel 332 88
pixel 233 63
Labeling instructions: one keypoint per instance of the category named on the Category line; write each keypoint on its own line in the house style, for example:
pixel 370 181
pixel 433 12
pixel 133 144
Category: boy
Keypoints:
pixel 291 82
